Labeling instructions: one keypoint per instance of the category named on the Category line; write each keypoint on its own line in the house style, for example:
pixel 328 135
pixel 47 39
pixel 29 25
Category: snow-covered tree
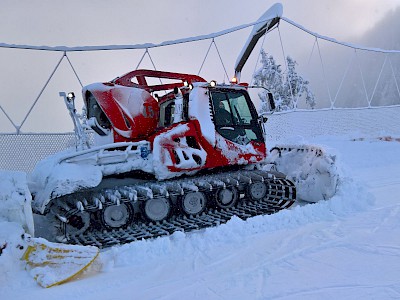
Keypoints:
pixel 286 87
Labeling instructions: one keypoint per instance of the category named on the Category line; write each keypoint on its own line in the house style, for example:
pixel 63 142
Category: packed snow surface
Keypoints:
pixel 15 200
pixel 347 247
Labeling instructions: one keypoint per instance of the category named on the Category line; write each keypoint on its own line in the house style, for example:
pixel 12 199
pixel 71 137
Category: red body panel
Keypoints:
pixel 132 118
pixel 173 143
pixel 178 148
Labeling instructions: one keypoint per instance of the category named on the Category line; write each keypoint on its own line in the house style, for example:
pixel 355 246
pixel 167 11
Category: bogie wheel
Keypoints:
pixel 225 198
pixel 116 216
pixel 78 223
pixel 157 209
pixel 194 203
pixel 257 190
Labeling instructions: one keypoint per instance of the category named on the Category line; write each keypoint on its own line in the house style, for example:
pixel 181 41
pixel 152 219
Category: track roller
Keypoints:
pixel 116 216
pixel 257 190
pixel 193 203
pixel 156 209
pixel 226 198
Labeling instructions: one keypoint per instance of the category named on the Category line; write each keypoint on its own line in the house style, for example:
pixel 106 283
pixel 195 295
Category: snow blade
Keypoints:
pixel 313 171
pixel 51 264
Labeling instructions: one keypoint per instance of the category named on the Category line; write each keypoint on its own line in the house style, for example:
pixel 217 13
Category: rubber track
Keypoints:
pixel 281 196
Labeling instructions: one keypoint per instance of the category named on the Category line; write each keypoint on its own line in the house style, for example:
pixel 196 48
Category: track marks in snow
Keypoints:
pixel 343 292
pixel 390 213
pixel 243 256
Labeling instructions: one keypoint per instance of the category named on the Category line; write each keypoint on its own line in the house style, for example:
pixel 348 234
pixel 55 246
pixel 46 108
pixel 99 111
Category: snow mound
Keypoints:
pixel 191 255
pixel 15 219
pixel 12 247
pixel 350 198
pixel 15 200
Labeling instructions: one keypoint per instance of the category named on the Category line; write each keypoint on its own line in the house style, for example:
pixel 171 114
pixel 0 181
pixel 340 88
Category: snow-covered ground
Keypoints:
pixel 344 248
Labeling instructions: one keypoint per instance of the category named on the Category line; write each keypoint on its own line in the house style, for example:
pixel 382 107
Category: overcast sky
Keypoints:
pixel 77 22
pixel 105 22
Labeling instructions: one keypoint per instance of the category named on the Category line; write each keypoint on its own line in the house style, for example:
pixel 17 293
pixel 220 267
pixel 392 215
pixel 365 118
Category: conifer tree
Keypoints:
pixel 286 87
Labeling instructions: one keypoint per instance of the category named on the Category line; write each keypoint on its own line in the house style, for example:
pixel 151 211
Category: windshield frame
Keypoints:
pixel 250 130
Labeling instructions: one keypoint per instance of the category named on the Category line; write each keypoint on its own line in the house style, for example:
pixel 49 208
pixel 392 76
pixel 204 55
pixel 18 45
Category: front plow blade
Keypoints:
pixel 311 168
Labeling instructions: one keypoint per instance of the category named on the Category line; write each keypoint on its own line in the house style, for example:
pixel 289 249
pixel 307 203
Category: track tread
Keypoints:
pixel 281 195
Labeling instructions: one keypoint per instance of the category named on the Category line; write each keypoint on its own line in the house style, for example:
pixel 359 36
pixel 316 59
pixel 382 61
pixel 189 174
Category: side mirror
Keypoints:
pixel 271 101
pixel 261 119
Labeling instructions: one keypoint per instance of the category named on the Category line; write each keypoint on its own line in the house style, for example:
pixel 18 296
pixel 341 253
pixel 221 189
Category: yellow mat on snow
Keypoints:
pixel 51 264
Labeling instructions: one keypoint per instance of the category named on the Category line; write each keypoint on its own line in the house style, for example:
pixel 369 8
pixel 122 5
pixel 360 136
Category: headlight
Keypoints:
pixel 71 96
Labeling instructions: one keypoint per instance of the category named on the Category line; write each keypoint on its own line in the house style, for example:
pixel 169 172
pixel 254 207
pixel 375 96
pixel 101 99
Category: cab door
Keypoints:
pixel 235 117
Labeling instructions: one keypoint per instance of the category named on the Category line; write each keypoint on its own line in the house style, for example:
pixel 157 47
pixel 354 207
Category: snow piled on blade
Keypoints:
pixel 313 169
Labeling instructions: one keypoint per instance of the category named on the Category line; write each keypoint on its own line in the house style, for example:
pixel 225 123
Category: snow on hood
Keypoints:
pixel 130 100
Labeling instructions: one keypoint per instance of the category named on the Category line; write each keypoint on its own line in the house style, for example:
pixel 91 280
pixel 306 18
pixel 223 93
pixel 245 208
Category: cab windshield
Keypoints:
pixel 235 117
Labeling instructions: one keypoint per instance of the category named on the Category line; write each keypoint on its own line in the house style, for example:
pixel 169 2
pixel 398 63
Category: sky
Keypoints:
pixel 99 22
pixel 94 22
